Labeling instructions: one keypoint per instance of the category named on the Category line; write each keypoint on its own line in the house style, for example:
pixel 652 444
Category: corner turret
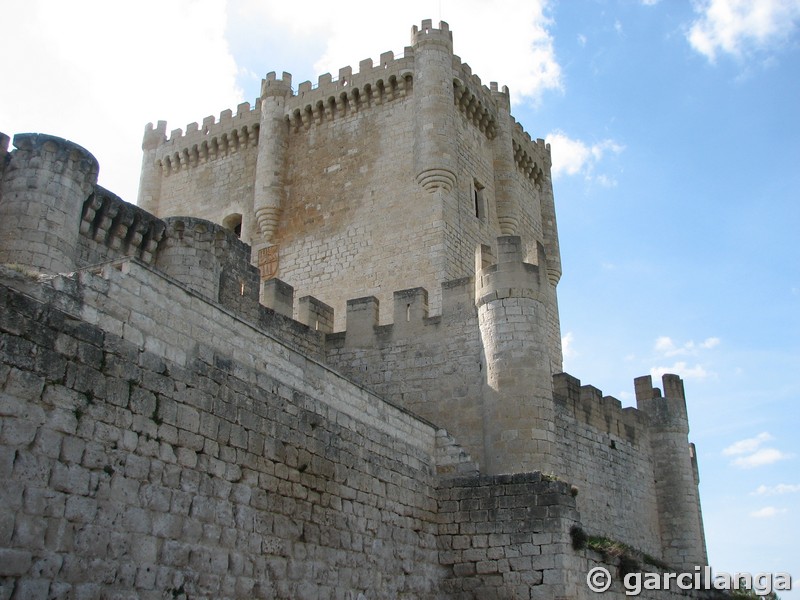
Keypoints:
pixel 519 411
pixel 43 187
pixel 150 178
pixel 507 189
pixel 272 143
pixel 434 154
pixel 680 518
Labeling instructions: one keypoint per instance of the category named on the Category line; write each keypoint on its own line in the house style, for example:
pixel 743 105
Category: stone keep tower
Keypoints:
pixel 376 181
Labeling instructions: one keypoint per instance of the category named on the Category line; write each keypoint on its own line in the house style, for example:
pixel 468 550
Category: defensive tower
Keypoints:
pixel 41 194
pixel 519 415
pixel 434 152
pixel 675 469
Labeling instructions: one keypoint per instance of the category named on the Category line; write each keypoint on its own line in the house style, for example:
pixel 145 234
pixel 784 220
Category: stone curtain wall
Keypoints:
pixel 432 366
pixel 507 536
pixel 607 453
pixel 136 463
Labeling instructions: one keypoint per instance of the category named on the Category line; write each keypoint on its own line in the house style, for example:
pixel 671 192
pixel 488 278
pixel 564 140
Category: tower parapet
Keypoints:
pixel 680 517
pixel 43 188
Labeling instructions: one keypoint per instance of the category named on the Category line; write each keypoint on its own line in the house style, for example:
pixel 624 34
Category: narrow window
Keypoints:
pixel 478 201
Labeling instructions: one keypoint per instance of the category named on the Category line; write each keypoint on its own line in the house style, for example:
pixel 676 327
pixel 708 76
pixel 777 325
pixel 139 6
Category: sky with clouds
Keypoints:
pixel 675 135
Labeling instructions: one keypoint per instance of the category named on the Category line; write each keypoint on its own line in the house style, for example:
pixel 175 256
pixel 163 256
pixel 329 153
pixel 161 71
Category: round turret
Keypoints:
pixel 674 466
pixel 190 252
pixel 519 413
pixel 272 142
pixel 434 154
pixel 43 187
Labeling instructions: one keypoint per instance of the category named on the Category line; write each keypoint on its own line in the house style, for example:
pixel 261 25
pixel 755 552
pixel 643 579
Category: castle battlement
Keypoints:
pixel 587 404
pixel 365 320
pixel 477 107
pixel 216 138
pixel 120 226
pixel 427 33
pixel 328 98
pixel 532 157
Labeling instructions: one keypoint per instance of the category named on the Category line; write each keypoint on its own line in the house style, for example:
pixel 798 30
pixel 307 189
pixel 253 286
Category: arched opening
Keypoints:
pixel 233 223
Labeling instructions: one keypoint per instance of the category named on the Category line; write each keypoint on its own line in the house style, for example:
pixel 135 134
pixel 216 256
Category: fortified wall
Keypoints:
pixel 176 420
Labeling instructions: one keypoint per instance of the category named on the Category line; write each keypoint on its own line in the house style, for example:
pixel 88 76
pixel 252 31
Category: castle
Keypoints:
pixel 320 359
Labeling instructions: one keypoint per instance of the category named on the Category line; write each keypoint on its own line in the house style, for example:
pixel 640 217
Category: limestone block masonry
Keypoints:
pixel 320 359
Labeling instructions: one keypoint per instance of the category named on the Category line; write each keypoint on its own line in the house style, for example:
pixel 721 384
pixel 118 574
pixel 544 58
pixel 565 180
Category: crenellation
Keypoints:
pixel 279 296
pixel 410 307
pixel 315 314
pixel 589 405
pixel 362 319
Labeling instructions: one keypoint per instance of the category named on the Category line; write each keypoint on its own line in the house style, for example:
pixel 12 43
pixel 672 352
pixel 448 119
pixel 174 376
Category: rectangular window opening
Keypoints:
pixel 478 200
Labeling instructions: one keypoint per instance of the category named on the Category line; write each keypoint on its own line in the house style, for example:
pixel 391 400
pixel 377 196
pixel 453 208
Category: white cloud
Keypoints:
pixel 666 346
pixel 775 490
pixel 485 34
pixel 750 454
pixel 606 181
pixel 767 512
pixel 576 157
pixel 748 445
pixel 736 27
pixel 760 458
pixel 97 72
pixel 567 346
pixel 650 2
pixel 682 369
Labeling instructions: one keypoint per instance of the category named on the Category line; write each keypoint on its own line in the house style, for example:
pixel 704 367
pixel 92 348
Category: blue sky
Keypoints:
pixel 675 128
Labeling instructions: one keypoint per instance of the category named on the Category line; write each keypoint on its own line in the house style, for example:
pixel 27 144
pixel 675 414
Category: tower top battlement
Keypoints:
pixel 427 33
